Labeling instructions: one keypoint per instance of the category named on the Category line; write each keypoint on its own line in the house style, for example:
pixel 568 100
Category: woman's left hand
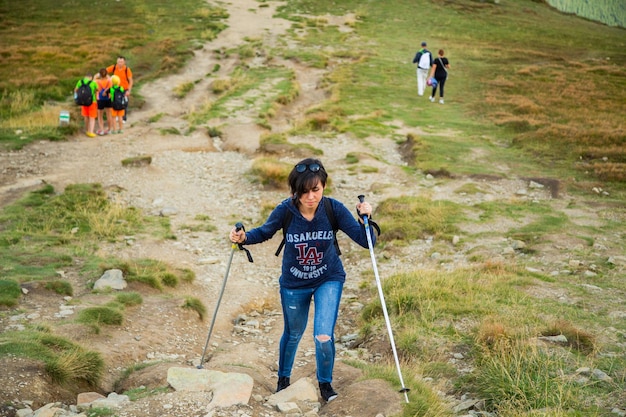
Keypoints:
pixel 364 208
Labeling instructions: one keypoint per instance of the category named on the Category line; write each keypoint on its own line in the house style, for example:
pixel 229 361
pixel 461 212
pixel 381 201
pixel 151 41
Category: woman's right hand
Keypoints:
pixel 237 236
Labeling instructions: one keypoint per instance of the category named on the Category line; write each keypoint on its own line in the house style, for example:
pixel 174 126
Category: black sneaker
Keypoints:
pixel 327 391
pixel 283 382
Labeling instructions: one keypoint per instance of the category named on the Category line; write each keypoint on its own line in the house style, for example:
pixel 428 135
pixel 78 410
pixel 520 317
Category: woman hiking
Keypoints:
pixel 311 267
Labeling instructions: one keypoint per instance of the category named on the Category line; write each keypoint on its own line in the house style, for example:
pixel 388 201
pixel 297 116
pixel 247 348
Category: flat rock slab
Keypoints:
pixel 228 388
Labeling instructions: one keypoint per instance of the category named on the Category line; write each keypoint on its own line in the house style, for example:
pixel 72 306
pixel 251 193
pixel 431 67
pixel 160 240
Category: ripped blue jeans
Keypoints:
pixel 296 303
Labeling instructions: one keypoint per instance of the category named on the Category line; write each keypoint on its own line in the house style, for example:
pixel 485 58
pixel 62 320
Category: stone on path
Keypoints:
pixel 228 388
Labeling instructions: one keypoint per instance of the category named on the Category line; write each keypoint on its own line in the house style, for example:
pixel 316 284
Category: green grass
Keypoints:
pixel 45 231
pixel 409 218
pixel 129 299
pixel 270 172
pixel 54 48
pixel 101 315
pixel 486 314
pixel 100 412
pixel 512 83
pixel 514 94
pixel 258 90
pixel 60 287
pixel 10 292
pixel 196 305
pixel 151 272
pixel 64 361
pixel 278 144
pixel 139 392
pixel 39 232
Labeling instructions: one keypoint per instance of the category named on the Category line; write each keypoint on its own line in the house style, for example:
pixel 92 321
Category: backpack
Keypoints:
pixel 118 100
pixel 84 95
pixel 331 217
pixel 104 94
pixel 424 62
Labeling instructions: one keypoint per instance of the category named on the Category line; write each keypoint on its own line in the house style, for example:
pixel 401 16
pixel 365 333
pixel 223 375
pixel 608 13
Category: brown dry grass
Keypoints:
pixel 565 106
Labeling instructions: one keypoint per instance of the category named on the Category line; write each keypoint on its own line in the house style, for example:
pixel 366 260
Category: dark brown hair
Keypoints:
pixel 301 182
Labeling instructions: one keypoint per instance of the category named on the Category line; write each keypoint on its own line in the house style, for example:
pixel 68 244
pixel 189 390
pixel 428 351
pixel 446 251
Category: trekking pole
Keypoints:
pixel 404 389
pixel 234 246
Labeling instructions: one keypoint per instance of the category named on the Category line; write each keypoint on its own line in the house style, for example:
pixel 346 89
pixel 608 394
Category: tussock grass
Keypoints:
pixel 581 340
pixel 270 172
pixel 145 160
pixel 10 292
pixel 100 412
pixel 151 272
pixel 221 85
pixel 81 209
pixel 45 231
pixel 485 313
pixel 196 305
pixel 101 315
pixel 278 144
pixel 75 364
pixel 181 90
pixel 129 299
pixel 143 392
pixel 64 361
pixel 521 377
pixel 60 287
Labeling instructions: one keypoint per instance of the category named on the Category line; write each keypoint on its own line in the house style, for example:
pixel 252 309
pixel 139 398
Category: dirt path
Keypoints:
pixel 195 174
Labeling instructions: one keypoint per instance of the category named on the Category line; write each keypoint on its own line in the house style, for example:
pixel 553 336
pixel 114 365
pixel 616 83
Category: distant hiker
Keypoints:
pixel 440 72
pixel 117 92
pixel 85 96
pixel 104 101
pixel 126 79
pixel 311 267
pixel 424 59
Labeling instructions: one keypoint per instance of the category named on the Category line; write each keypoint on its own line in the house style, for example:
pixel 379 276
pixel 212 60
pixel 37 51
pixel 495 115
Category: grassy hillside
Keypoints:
pixel 540 92
pixel 523 74
pixel 46 47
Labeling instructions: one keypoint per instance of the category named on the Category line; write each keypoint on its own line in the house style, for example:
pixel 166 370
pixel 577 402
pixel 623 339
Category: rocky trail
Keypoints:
pixel 195 174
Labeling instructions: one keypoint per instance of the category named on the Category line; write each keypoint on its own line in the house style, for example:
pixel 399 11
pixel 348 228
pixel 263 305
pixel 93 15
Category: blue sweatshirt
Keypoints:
pixel 310 256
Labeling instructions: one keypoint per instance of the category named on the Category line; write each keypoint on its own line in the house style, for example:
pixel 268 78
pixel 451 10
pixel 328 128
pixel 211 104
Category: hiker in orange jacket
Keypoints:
pixel 126 78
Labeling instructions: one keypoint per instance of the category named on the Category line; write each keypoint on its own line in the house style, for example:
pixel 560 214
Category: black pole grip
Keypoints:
pixel 361 198
pixel 238 227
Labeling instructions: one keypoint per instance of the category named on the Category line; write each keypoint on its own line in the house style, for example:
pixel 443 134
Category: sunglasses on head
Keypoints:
pixel 312 167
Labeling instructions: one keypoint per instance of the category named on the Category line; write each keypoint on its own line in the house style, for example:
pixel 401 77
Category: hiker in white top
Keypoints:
pixel 424 60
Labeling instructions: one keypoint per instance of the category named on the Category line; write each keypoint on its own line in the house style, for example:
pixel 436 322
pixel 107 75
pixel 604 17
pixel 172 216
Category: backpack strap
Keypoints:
pixel 333 222
pixel 115 66
pixel 328 206
pixel 286 222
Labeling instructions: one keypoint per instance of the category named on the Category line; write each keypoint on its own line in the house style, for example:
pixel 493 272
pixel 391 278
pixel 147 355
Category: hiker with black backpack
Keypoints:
pixel 118 101
pixel 85 96
pixel 311 267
